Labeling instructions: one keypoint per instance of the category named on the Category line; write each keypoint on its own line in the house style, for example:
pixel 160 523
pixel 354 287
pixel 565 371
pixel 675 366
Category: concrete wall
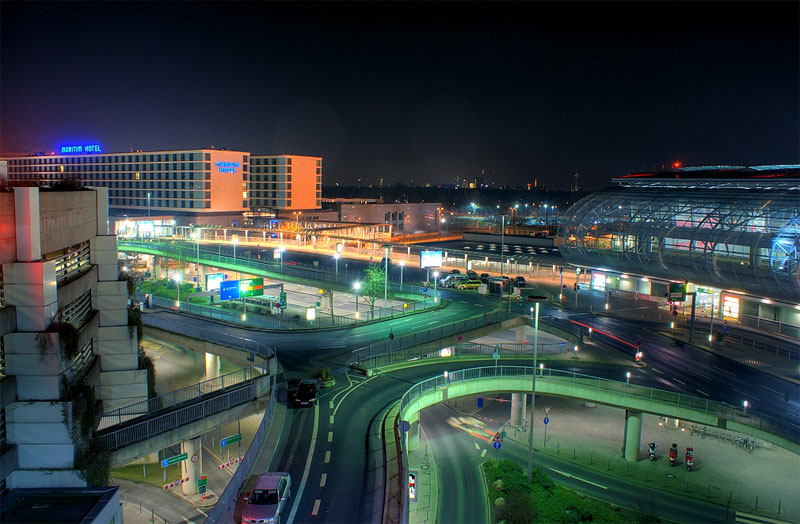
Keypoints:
pixel 67 218
pixel 8 244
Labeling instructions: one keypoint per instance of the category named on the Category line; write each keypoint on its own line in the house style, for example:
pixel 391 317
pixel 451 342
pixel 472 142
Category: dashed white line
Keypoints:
pixel 569 475
pixel 702 392
pixel 483 453
pixel 774 391
pixel 330 404
pixel 657 371
pixel 327 457
pixel 698 373
pixel 793 414
pixel 477 446
pixel 323 479
pixel 679 381
pixel 308 465
pixel 748 395
pixel 330 420
pixel 330 436
pixel 315 511
pixel 723 370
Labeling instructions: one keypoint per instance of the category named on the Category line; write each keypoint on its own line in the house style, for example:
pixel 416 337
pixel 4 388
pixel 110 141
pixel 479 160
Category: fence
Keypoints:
pixel 136 432
pixel 223 509
pixel 181 396
pixel 209 335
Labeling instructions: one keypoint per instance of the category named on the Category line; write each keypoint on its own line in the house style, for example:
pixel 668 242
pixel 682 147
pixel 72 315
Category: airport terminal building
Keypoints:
pixel 732 231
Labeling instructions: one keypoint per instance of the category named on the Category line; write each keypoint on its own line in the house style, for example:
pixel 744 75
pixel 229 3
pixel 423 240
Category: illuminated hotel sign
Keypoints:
pixel 83 148
pixel 227 167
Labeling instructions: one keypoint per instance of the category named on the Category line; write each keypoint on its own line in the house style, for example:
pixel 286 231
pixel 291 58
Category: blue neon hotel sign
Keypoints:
pixel 227 167
pixel 81 149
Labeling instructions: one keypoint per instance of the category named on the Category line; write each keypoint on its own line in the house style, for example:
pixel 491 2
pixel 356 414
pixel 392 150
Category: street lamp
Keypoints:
pixel 148 204
pixel 435 281
pixel 385 274
pixel 177 278
pixel 336 259
pixel 402 265
pixel 502 247
pixel 536 300
pixel 242 289
pixel 356 286
pixel 235 241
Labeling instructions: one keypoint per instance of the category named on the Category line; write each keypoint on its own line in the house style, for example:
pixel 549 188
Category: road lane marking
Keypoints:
pixel 698 373
pixel 343 390
pixel 350 391
pixel 330 420
pixel 330 436
pixel 330 404
pixel 323 479
pixel 307 469
pixel 657 371
pixel 483 453
pixel 748 395
pixel 793 414
pixel 327 457
pixel 724 371
pixel 315 511
pixel 679 381
pixel 477 446
pixel 778 392
pixel 569 475
pixel 702 392
pixel 741 516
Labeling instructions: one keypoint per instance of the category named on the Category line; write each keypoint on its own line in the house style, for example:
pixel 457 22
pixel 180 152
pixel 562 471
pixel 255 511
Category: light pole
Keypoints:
pixel 536 300
pixel 356 286
pixel 242 290
pixel 177 278
pixel 336 259
pixel 402 265
pixel 435 281
pixel 385 274
pixel 235 241
pixel 502 246
pixel 148 206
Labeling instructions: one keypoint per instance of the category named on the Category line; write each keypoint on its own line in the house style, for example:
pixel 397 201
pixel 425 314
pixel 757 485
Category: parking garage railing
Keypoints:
pixel 210 335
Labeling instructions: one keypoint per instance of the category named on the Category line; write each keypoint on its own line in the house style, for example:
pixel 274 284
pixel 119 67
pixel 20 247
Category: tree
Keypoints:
pixel 373 286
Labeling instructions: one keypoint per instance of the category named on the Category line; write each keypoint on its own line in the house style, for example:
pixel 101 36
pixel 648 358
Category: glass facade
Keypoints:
pixel 742 236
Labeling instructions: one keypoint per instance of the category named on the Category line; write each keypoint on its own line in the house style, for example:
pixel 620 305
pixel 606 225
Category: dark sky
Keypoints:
pixel 423 92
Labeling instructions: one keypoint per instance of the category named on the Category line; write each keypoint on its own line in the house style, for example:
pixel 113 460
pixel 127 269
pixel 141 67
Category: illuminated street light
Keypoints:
pixel 356 286
pixel 402 265
pixel 177 278
pixel 435 281
pixel 235 241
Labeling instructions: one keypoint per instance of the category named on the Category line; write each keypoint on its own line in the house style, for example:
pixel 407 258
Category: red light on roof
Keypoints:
pixel 676 165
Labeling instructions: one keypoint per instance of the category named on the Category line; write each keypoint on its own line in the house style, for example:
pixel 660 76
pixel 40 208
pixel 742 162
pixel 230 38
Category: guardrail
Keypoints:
pixel 137 432
pixel 223 509
pixel 757 344
pixel 765 423
pixel 209 335
pixel 180 396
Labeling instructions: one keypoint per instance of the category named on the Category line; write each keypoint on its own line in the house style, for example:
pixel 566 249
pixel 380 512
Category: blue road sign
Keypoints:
pixel 496 445
pixel 546 420
pixel 424 290
pixel 480 402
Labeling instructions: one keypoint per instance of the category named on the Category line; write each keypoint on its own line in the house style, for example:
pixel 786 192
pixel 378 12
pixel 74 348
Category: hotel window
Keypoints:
pixel 319 163
pixel 289 169
pixel 288 161
pixel 207 157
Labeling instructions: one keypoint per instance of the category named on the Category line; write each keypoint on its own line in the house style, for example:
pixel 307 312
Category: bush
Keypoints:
pixel 518 509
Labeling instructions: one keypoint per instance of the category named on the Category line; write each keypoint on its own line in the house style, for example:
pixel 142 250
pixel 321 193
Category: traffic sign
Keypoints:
pixel 195 457
pixel 546 420
pixel 202 480
pixel 546 410
pixel 496 444
pixel 497 437
pixel 282 299
pixel 677 292
pixel 424 290
pixel 174 460
pixel 230 440
pixel 316 262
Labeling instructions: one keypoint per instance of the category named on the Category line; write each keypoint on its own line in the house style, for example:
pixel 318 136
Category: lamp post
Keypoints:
pixel 281 249
pixel 402 265
pixel 235 241
pixel 356 286
pixel 148 203
pixel 177 278
pixel 385 274
pixel 502 245
pixel 242 290
pixel 536 300
pixel 336 260
pixel 435 281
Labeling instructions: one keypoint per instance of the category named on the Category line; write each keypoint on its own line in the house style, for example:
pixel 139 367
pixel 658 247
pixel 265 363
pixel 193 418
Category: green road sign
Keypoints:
pixel 230 440
pixel 677 292
pixel 174 460
pixel 316 262
pixel 251 287
pixel 202 481
pixel 282 299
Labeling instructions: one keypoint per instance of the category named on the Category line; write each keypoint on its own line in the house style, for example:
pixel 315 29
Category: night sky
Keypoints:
pixel 423 92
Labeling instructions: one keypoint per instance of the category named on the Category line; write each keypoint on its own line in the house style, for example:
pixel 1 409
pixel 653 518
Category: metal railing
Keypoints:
pixel 757 344
pixel 784 429
pixel 175 398
pixel 223 509
pixel 74 262
pixel 137 432
pixel 210 335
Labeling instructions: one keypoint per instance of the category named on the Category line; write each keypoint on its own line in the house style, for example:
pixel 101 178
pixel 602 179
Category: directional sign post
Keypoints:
pixel 174 460
pixel 230 440
pixel 546 421
pixel 497 442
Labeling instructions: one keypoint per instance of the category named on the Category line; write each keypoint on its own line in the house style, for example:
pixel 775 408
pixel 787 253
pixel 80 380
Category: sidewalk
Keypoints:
pixel 423 463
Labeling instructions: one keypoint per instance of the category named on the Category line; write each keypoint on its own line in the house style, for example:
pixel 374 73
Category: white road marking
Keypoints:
pixel 569 475
pixel 778 392
pixel 483 453
pixel 202 512
pixel 741 516
pixel 793 414
pixel 330 420
pixel 327 457
pixel 702 392
pixel 747 395
pixel 330 436
pixel 323 479
pixel 308 466
pixel 679 381
pixel 477 446
pixel 350 391
pixel 698 373
pixel 315 511
pixel 330 404
pixel 724 371
pixel 657 371
pixel 343 390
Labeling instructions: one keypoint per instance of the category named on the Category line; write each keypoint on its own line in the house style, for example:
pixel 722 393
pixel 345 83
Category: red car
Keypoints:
pixel 267 503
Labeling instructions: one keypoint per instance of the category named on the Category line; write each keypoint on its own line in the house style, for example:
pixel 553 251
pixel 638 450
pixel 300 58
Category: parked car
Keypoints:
pixel 304 392
pixel 520 282
pixel 267 502
pixel 455 272
pixel 469 284
pixel 484 277
pixel 472 275
pixel 452 280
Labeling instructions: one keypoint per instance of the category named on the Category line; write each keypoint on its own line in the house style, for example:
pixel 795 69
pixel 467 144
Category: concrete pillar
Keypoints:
pixel 633 435
pixel 671 423
pixel 518 404
pixel 191 469
pixel 212 366
pixel 413 436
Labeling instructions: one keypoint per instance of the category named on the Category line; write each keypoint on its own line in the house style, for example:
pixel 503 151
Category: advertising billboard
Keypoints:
pixel 251 287
pixel 228 289
pixel 213 280
pixel 430 259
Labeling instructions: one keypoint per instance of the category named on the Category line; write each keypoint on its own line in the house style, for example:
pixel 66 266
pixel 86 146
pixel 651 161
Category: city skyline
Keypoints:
pixel 428 92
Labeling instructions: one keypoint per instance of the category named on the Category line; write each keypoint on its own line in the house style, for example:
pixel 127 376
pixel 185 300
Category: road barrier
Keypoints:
pixel 209 335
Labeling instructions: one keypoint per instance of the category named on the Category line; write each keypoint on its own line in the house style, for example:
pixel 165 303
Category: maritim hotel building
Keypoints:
pixel 198 183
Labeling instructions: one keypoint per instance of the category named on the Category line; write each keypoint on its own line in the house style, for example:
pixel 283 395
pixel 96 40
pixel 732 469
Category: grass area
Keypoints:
pixel 165 288
pixel 543 501
pixel 155 473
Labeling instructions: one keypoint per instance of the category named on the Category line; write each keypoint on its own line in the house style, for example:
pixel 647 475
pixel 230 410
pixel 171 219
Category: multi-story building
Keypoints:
pixel 196 183
pixel 65 334
pixel 405 218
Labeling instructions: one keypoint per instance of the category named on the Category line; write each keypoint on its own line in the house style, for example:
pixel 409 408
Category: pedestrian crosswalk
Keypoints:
pixel 749 518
